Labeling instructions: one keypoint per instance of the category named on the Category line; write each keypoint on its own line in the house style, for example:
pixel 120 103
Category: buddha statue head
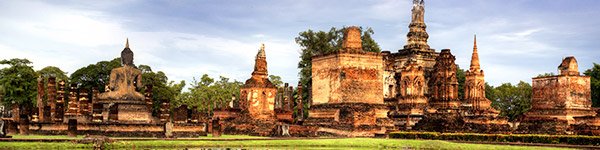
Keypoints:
pixel 127 55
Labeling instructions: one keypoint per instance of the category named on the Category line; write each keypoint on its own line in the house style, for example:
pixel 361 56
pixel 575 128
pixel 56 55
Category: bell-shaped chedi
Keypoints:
pixel 475 88
pixel 258 93
pixel 126 81
pixel 444 85
pixel 122 99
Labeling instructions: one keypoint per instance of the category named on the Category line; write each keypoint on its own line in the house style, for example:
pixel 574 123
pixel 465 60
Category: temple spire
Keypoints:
pixel 475 57
pixel 261 52
pixel 417 35
pixel 127 44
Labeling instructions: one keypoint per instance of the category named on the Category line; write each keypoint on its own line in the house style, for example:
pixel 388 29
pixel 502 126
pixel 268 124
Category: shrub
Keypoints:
pixel 524 138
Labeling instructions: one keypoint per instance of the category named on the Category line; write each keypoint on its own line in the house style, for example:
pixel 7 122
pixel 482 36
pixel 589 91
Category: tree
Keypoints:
pixel 320 42
pixel 95 75
pixel 546 75
pixel 19 82
pixel 52 71
pixel 206 93
pixel 490 93
pixel 276 80
pixel 460 77
pixel 512 100
pixel 594 73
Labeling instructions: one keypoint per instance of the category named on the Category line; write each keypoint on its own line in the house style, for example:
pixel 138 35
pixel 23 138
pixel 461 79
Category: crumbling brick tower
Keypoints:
pixel 444 85
pixel 416 49
pixel 559 101
pixel 347 90
pixel 475 98
pixel 410 105
pixel 258 93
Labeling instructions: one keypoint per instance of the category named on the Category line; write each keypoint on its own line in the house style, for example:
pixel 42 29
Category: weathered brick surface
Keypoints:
pixel 444 85
pixel 474 89
pixel 258 93
pixel 564 96
pixel 347 77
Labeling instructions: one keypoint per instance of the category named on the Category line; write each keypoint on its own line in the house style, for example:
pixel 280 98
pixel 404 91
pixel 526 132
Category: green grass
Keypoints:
pixel 349 143
pixel 17 136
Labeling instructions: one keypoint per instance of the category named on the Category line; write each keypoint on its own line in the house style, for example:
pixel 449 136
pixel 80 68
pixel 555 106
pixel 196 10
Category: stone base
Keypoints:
pixel 349 119
pixel 120 129
pixel 544 125
pixel 134 113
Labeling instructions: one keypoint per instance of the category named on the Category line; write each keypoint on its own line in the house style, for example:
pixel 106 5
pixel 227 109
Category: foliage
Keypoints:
pixel 95 75
pixel 546 75
pixel 490 93
pixel 511 100
pixel 523 138
pixel 276 80
pixel 594 73
pixel 460 77
pixel 19 82
pixel 52 71
pixel 319 42
pixel 206 94
pixel 161 88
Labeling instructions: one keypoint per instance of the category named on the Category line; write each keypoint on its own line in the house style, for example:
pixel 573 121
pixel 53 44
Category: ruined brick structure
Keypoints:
pixel 258 93
pixel 415 49
pixel 51 98
pixel 410 106
pixel 563 100
pixel 347 93
pixel 444 85
pixel 60 102
pixel 475 99
pixel 40 97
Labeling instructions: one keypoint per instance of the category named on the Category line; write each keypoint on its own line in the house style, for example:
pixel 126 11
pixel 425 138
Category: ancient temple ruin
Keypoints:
pixel 347 90
pixel 561 104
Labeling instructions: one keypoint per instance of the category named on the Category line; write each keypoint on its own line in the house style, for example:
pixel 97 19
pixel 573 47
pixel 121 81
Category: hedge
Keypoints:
pixel 524 138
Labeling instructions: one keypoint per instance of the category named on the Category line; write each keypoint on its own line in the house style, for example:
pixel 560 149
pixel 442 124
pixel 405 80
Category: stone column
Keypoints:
pixel 51 99
pixel 73 108
pixel 290 99
pixel 60 102
pixel 83 102
pixel 96 107
pixel 164 110
pixel 300 104
pixel 148 97
pixel 24 121
pixel 40 98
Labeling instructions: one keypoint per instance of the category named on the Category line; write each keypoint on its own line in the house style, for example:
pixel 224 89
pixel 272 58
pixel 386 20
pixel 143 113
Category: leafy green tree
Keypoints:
pixel 319 42
pixel 546 75
pixel 206 93
pixel 161 88
pixel 95 75
pixel 52 71
pixel 19 82
pixel 594 73
pixel 460 77
pixel 512 100
pixel 276 80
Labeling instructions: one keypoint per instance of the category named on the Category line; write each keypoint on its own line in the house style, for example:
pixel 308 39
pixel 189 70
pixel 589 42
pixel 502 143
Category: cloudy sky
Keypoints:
pixel 517 39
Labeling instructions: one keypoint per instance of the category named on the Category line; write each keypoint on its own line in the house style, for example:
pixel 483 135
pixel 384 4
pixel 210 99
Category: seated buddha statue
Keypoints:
pixel 124 81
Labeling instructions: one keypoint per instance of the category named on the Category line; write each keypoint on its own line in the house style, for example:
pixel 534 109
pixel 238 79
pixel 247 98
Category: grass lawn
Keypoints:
pixel 349 143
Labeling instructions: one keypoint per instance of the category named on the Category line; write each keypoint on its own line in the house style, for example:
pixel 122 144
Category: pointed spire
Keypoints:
pixel 127 44
pixel 475 56
pixel 261 52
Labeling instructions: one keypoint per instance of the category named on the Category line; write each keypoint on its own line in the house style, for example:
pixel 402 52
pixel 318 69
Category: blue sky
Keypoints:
pixel 517 39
